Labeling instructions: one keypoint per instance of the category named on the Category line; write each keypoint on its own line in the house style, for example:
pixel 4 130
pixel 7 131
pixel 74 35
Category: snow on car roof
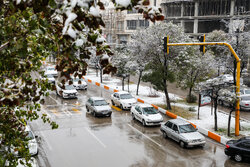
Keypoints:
pixel 97 98
pixel 179 121
pixel 123 92
pixel 142 105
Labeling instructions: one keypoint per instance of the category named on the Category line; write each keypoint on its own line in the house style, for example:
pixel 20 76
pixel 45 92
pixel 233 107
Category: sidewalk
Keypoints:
pixel 206 121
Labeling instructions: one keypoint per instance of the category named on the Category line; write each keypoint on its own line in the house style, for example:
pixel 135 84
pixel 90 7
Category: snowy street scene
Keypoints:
pixel 124 83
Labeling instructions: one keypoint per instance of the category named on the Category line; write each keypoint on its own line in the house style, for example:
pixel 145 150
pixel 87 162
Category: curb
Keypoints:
pixel 211 135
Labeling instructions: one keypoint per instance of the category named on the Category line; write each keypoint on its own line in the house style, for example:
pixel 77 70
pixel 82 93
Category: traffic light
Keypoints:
pixel 165 44
pixel 202 39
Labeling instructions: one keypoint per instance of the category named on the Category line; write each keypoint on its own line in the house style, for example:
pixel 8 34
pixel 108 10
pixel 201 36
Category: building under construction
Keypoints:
pixel 204 16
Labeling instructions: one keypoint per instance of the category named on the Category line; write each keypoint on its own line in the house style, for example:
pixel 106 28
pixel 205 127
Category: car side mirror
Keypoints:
pixel 36 136
pixel 140 113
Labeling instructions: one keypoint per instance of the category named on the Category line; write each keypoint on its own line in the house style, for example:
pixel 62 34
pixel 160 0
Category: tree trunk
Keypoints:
pixel 123 78
pixel 190 93
pixel 215 114
pixel 138 84
pixel 96 72
pixel 166 94
pixel 128 82
pixel 101 75
pixel 229 122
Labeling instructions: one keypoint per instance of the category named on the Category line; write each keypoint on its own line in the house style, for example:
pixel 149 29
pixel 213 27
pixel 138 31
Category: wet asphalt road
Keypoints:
pixel 85 141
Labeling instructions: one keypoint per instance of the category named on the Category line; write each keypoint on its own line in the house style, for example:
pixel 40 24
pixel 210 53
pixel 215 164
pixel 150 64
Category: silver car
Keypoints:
pixel 98 107
pixel 182 132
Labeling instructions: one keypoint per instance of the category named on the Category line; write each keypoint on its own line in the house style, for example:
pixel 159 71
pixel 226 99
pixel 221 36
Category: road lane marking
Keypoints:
pixel 116 108
pixel 54 100
pixel 95 137
pixel 144 135
pixel 67 113
pixel 76 110
pixel 55 112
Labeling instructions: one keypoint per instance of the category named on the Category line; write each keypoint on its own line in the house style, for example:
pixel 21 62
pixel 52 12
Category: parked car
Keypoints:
pixel 238 149
pixel 98 106
pixel 32 161
pixel 228 78
pixel 245 102
pixel 79 84
pixel 146 114
pixel 245 91
pixel 50 78
pixel 182 132
pixel 68 92
pixel 123 99
pixel 51 70
pixel 32 143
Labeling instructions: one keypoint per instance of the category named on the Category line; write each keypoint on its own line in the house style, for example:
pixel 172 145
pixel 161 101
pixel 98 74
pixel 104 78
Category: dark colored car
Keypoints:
pixel 238 149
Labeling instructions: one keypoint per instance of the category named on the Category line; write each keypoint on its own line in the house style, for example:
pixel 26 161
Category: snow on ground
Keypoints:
pixel 206 118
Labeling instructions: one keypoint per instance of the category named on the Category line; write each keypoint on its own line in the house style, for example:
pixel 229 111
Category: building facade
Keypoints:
pixel 204 16
pixel 119 25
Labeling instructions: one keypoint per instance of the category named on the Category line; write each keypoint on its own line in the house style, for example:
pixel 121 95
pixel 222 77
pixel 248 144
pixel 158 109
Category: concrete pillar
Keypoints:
pixel 182 11
pixel 196 11
pixel 231 14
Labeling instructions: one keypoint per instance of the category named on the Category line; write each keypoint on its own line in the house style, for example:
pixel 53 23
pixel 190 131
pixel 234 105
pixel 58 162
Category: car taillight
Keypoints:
pixel 227 146
pixel 246 104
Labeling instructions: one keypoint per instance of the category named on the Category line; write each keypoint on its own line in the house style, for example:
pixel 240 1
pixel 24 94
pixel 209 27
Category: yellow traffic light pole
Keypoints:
pixel 237 112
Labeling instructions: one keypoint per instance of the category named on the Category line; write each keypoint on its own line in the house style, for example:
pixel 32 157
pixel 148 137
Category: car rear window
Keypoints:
pixel 100 103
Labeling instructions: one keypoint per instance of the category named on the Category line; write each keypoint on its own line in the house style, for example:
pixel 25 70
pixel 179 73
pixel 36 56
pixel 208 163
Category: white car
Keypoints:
pixel 79 84
pixel 228 78
pixel 182 132
pixel 32 161
pixel 245 91
pixel 32 143
pixel 50 78
pixel 146 114
pixel 245 102
pixel 68 93
pixel 51 70
pixel 123 99
pixel 98 107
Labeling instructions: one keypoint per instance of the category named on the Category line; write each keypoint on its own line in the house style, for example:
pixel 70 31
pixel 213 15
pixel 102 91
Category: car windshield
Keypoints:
pixel 49 76
pixel 186 128
pixel 245 98
pixel 30 135
pixel 100 103
pixel 126 96
pixel 69 87
pixel 149 110
pixel 247 91
pixel 50 69
pixel 77 79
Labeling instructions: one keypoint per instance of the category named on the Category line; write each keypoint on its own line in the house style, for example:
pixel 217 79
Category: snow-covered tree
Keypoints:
pixel 214 88
pixel 221 53
pixel 160 67
pixel 194 68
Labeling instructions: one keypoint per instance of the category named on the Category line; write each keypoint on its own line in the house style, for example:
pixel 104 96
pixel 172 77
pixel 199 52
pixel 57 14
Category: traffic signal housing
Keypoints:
pixel 202 39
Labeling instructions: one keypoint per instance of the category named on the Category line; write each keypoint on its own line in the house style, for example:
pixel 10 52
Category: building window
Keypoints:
pixel 123 39
pixel 131 24
pixel 120 25
pixel 143 23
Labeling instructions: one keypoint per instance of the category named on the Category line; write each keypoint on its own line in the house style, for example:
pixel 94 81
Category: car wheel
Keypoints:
pixel 165 135
pixel 112 102
pixel 238 158
pixel 143 122
pixel 182 144
pixel 133 116
pixel 109 115
pixel 87 109
pixel 121 107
